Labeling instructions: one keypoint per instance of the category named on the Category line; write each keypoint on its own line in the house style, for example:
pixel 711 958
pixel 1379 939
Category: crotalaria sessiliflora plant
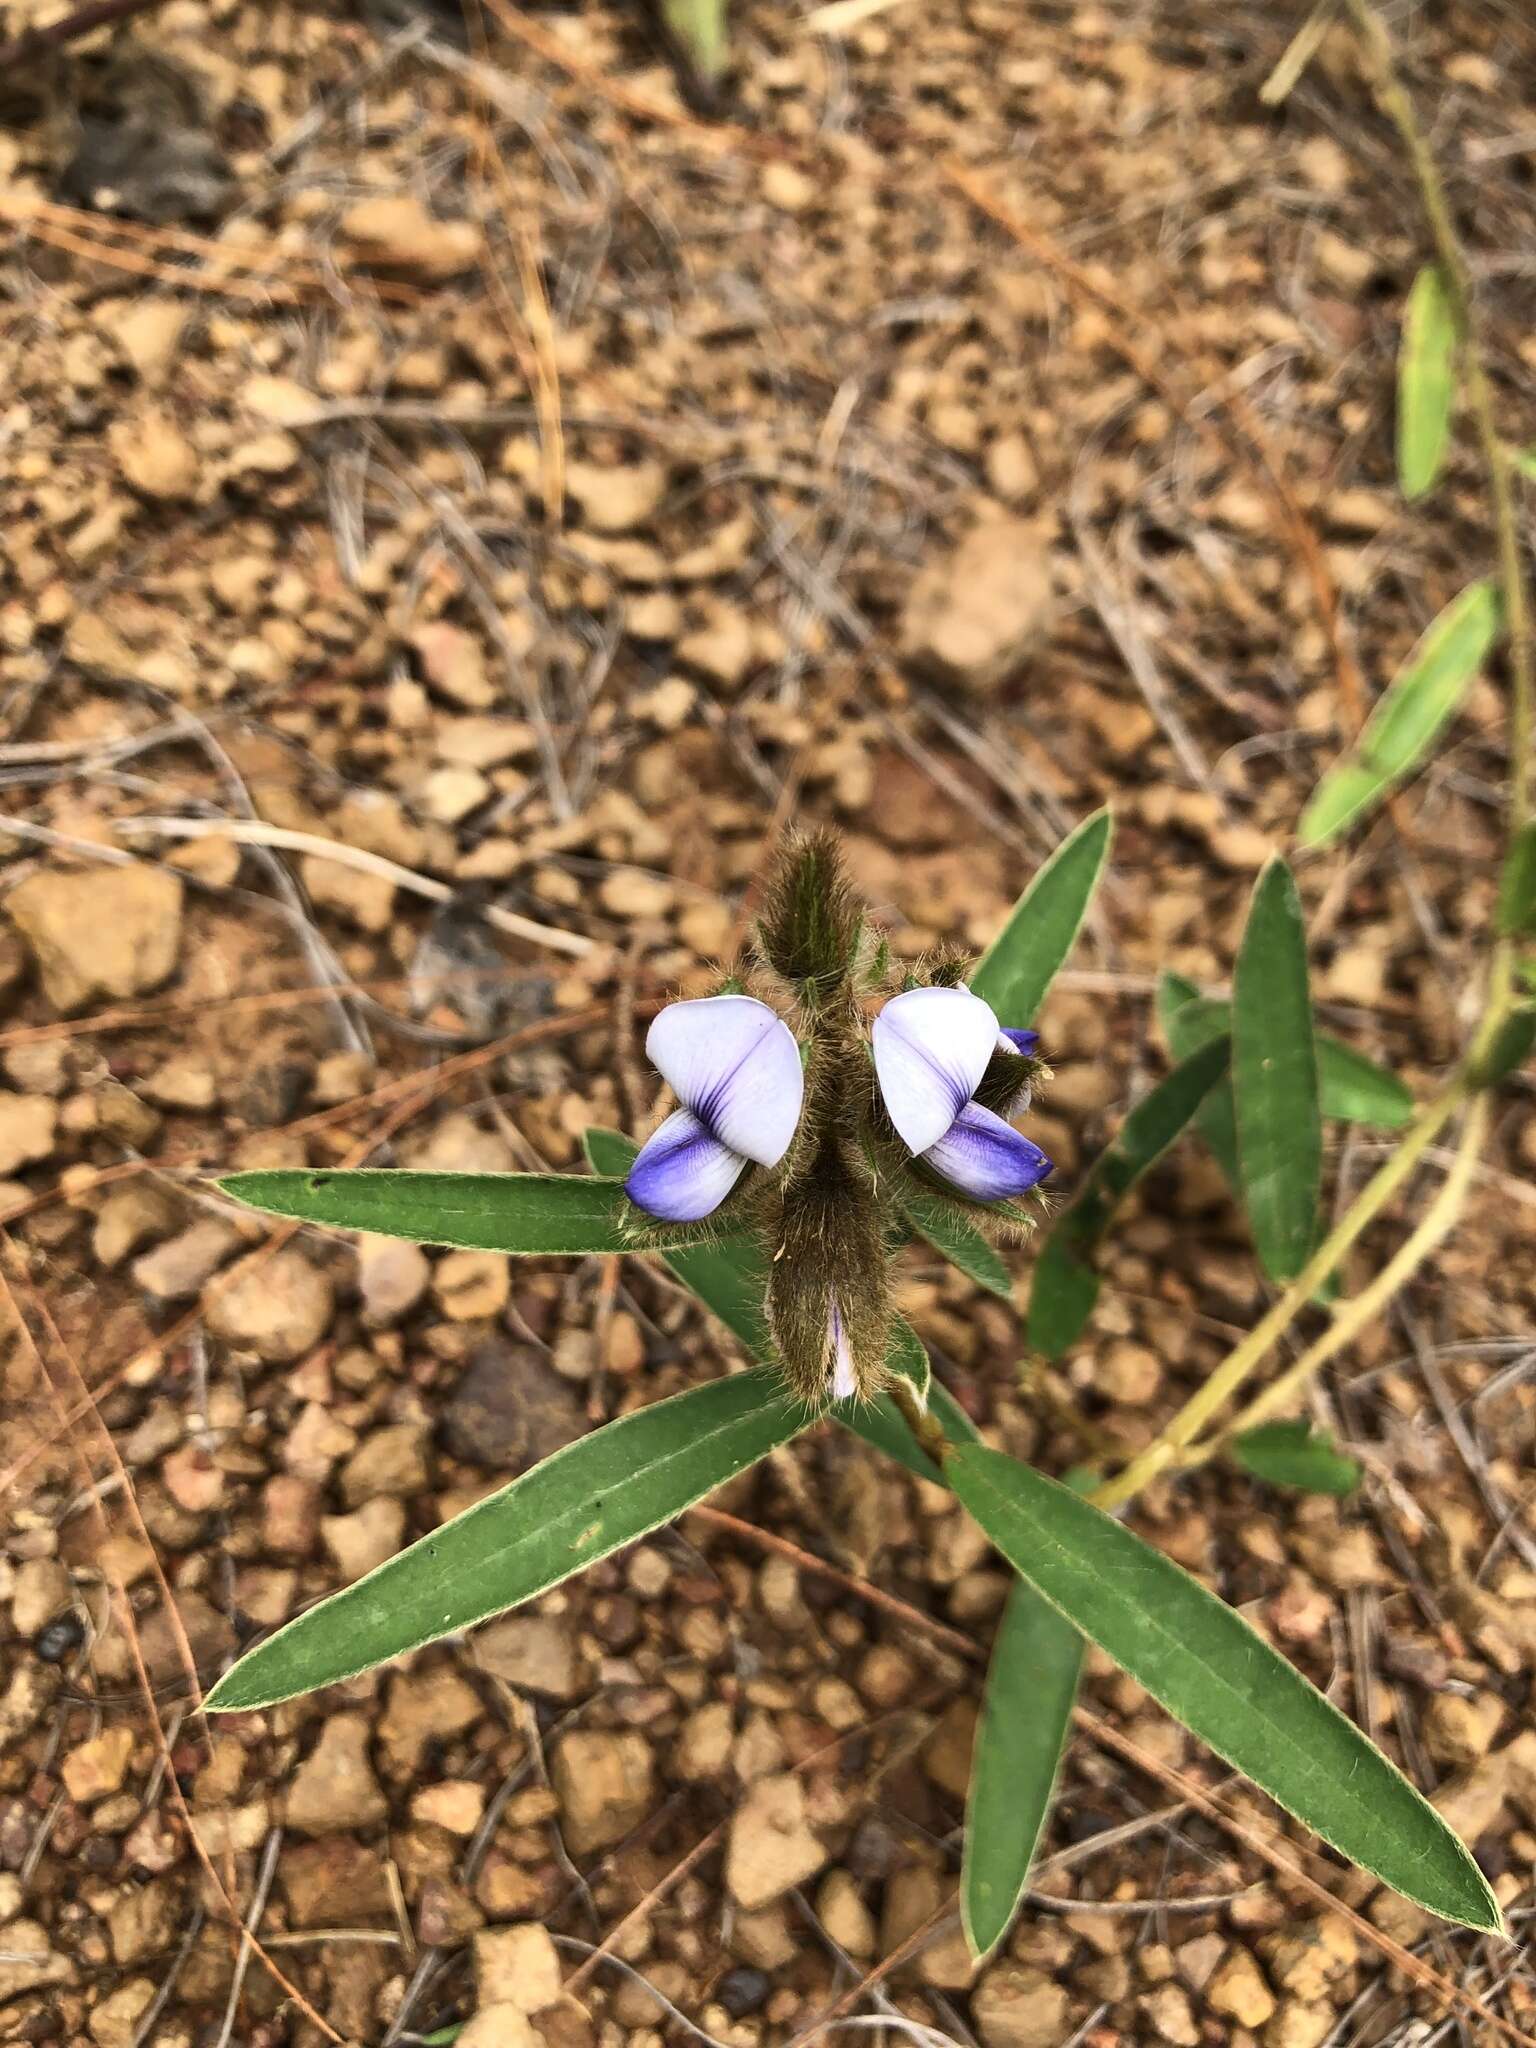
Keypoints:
pixel 814 1089
pixel 829 1106
pixel 826 1110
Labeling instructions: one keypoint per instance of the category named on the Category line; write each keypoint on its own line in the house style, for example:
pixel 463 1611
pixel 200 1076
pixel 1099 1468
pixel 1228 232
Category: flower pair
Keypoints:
pixel 736 1070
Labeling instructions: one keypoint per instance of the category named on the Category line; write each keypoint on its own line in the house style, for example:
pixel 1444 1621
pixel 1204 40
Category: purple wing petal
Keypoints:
pixel 682 1172
pixel 736 1065
pixel 986 1158
pixel 1026 1042
pixel 931 1048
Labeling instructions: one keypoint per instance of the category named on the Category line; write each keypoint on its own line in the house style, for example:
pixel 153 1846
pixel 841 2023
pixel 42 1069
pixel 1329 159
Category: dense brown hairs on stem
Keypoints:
pixel 830 1249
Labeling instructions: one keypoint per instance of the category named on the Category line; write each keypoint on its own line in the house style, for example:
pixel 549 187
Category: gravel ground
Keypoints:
pixel 459 505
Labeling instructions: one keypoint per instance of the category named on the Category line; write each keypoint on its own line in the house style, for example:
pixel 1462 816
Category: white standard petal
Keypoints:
pixel 931 1048
pixel 682 1171
pixel 736 1065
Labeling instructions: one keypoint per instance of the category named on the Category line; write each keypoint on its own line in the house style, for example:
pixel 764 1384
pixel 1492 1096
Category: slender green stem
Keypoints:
pixel 1173 1447
pixel 1498 459
pixel 1352 1316
pixel 1234 1369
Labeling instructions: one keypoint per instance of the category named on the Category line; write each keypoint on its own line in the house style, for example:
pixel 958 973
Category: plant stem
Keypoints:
pixel 1229 1376
pixel 1351 1317
pixel 927 1428
pixel 1498 460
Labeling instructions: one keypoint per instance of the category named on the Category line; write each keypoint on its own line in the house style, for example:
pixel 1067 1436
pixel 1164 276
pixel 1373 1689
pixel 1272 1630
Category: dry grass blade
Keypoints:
pixel 838 15
pixel 256 832
pixel 279 278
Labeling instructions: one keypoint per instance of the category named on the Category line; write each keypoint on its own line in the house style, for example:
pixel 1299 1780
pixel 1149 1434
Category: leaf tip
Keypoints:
pixel 224 1698
pixel 1313 828
pixel 979 1944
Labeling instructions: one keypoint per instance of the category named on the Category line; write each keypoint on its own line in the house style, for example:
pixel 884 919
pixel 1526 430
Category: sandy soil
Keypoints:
pixel 459 504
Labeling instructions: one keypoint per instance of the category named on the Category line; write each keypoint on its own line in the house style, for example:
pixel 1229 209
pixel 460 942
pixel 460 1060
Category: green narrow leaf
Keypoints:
pixel 730 1279
pixel 1190 1019
pixel 1019 966
pixel 880 1425
pixel 593 1497
pixel 1511 1047
pixel 1274 1078
pixel 1188 1023
pixel 1294 1454
pixel 956 1240
pixel 1026 1713
pixel 727 1273
pixel 1065 1285
pixel 537 1214
pixel 1419 701
pixel 908 1359
pixel 1524 460
pixel 1351 1087
pixel 1516 917
pixel 1063 1294
pixel 1214 1673
pixel 700 27
pixel 1355 1089
pixel 1426 382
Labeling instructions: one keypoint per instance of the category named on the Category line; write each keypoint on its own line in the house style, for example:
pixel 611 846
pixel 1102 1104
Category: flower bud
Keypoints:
pixel 809 929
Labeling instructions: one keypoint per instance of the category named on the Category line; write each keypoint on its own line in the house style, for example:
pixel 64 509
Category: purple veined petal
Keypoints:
pixel 931 1047
pixel 682 1171
pixel 1026 1042
pixel 736 1065
pixel 986 1158
pixel 844 1383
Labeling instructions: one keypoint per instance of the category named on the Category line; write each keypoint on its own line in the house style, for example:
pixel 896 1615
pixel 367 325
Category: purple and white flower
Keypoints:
pixel 735 1068
pixel 931 1047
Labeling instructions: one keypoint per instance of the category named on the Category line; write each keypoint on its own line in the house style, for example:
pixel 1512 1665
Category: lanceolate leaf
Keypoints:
pixel 1354 1089
pixel 1214 1673
pixel 1294 1454
pixel 1517 887
pixel 1062 1296
pixel 1026 1711
pixel 1426 382
pixel 700 28
pixel 729 1278
pixel 599 1493
pixel 1418 703
pixel 727 1273
pixel 959 1242
pixel 1022 961
pixel 1351 1087
pixel 1511 1047
pixel 1274 1078
pixel 538 1214
pixel 907 1359
pixel 1188 1023
pixel 1065 1285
